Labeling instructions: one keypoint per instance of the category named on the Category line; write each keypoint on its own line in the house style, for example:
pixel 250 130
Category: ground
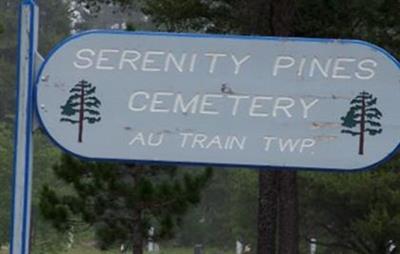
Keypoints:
pixel 89 250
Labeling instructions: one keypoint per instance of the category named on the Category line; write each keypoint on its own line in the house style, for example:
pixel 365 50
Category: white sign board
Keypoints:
pixel 229 100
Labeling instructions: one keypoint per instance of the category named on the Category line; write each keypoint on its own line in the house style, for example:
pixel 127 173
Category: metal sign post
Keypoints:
pixel 27 41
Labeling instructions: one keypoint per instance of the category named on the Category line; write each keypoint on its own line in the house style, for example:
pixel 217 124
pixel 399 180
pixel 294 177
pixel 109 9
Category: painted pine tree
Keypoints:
pixel 82 106
pixel 362 118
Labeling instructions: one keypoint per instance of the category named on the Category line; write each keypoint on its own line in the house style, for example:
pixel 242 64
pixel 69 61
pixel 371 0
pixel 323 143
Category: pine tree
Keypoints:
pixel 363 115
pixel 352 213
pixel 121 202
pixel 83 103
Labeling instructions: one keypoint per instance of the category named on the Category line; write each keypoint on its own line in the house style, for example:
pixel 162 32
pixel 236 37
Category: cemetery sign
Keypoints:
pixel 229 100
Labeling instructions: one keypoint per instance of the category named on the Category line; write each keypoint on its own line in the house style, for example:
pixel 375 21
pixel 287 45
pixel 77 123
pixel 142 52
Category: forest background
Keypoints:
pixel 346 213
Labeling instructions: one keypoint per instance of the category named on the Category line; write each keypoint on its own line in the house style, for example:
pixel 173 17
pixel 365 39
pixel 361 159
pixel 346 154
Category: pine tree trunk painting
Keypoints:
pixel 362 127
pixel 82 103
pixel 81 114
pixel 364 115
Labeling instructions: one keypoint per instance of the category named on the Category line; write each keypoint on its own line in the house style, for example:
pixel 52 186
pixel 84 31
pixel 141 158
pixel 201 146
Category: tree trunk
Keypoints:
pixel 81 112
pixel 267 211
pixel 288 214
pixel 258 16
pixel 362 126
pixel 282 17
pixel 137 232
pixel 137 229
pixel 278 203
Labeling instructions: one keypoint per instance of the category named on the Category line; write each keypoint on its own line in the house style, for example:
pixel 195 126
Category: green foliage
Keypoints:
pixel 44 156
pixel 355 212
pixel 5 179
pixel 8 49
pixel 339 208
pixel 371 20
pixel 7 89
pixel 102 15
pixel 191 16
pixel 75 101
pixel 83 104
pixel 347 212
pixel 364 115
pixel 226 213
pixel 107 197
pixel 96 5
pixel 54 25
pixel 358 208
pixel 45 239
pixel 224 16
pixel 363 112
pixel 350 121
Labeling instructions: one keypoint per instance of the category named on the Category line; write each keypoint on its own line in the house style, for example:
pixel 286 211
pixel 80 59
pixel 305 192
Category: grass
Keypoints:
pixel 92 250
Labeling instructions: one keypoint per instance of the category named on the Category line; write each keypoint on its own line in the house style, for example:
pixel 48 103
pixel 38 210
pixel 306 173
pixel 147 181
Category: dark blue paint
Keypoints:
pixel 16 125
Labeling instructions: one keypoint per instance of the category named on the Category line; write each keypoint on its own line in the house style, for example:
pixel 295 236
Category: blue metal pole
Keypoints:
pixel 22 176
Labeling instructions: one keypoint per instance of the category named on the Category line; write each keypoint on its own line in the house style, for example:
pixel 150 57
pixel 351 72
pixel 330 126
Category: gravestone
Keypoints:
pixel 198 249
